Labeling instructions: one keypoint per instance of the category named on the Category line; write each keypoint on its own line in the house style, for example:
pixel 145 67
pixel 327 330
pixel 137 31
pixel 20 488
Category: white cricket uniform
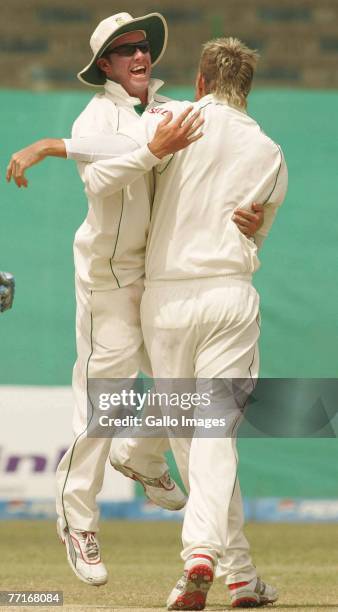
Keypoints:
pixel 109 252
pixel 200 311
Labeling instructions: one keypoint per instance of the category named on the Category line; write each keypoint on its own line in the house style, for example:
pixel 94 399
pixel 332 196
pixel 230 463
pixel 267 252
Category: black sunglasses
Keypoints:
pixel 129 49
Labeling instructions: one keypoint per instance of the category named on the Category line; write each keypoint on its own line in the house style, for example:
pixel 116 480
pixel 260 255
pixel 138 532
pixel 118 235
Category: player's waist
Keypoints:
pixel 210 281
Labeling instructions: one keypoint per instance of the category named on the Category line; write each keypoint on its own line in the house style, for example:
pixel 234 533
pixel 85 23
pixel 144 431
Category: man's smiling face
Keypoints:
pixel 132 72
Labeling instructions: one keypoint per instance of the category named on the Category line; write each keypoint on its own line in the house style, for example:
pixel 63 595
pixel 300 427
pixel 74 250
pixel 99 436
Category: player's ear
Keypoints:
pixel 104 65
pixel 200 86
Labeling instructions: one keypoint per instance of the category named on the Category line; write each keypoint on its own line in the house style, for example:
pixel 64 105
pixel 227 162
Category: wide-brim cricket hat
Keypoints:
pixel 153 25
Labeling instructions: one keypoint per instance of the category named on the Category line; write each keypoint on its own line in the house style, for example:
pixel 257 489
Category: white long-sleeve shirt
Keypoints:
pixel 197 190
pixel 109 246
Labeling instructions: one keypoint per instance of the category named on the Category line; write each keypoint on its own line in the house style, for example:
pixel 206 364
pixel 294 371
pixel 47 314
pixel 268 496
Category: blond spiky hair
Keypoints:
pixel 227 66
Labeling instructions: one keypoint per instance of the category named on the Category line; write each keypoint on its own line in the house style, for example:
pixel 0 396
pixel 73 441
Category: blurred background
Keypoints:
pixel 42 47
pixel 43 44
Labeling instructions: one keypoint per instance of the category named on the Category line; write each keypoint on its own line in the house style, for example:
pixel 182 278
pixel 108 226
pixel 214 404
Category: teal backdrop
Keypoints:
pixel 297 280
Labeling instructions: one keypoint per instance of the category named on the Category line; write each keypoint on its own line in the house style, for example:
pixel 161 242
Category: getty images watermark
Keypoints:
pixel 212 408
pixel 153 400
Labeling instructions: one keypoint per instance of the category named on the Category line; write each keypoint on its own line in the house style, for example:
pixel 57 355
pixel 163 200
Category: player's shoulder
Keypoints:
pixel 270 153
pixel 88 112
pixel 257 135
pixel 269 145
pixel 95 115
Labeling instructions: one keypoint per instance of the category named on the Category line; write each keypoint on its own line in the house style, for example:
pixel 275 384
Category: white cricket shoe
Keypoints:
pixel 163 491
pixel 83 554
pixel 252 594
pixel 190 592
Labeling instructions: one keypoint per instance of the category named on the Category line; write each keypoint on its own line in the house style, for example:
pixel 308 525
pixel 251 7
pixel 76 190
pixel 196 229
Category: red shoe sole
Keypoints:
pixel 200 579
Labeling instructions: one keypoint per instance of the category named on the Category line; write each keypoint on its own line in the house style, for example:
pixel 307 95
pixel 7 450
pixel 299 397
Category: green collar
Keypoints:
pixel 140 108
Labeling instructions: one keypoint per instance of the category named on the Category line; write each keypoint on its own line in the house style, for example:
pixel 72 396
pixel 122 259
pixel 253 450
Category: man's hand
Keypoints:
pixel 31 155
pixel 249 222
pixel 7 285
pixel 172 136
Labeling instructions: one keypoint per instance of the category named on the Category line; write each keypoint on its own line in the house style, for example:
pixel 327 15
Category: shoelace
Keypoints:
pixel 182 582
pixel 91 547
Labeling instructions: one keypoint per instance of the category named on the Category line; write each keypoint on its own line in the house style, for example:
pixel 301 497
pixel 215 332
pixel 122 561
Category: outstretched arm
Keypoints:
pixel 31 155
pixel 106 177
pixel 170 137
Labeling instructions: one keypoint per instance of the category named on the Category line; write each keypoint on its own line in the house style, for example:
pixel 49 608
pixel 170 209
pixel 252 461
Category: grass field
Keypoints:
pixel 143 563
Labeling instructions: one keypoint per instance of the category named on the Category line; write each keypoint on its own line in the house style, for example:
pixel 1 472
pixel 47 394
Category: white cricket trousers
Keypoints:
pixel 109 345
pixel 207 329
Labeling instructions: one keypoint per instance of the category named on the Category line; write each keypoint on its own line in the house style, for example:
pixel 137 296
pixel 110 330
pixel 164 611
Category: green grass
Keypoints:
pixel 143 563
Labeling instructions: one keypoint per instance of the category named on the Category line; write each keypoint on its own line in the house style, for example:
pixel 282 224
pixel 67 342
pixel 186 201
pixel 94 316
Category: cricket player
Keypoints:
pixel 240 551
pixel 200 312
pixel 109 252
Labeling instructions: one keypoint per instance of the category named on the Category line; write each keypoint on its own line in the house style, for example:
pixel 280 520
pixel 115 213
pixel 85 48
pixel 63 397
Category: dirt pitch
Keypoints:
pixel 143 563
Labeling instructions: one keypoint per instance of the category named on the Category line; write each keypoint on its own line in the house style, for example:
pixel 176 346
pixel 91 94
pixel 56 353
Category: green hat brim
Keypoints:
pixel 156 31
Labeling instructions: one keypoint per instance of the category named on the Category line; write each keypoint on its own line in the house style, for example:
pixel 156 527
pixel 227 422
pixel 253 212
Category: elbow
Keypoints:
pixel 98 184
pixel 98 189
pixel 88 179
pixel 93 184
pixel 92 187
